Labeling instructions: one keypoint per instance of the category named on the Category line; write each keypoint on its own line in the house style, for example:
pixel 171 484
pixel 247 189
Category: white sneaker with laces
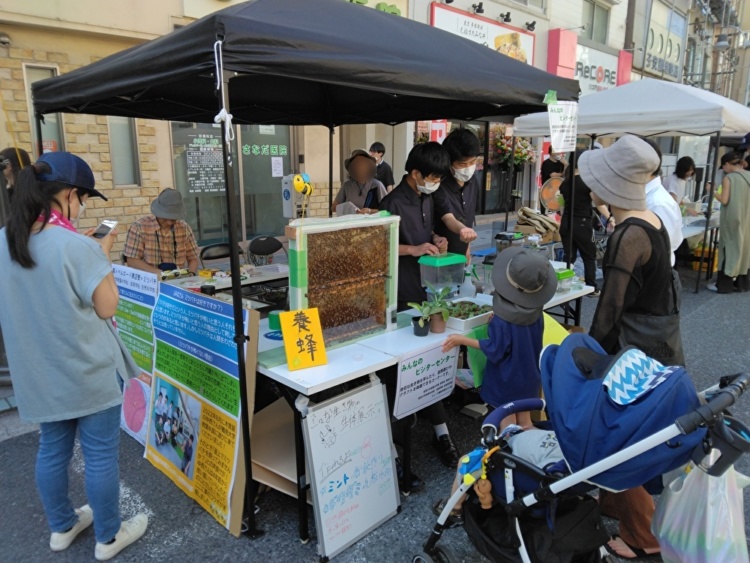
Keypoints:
pixel 59 541
pixel 130 531
pixel 712 287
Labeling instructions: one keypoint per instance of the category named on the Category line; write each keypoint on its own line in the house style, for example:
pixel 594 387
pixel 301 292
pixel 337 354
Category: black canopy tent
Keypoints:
pixel 298 62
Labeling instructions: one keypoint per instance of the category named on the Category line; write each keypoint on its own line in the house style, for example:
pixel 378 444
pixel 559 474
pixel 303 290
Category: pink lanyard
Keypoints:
pixel 56 218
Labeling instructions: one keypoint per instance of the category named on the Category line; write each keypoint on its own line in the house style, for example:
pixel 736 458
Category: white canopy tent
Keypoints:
pixel 653 108
pixel 649 107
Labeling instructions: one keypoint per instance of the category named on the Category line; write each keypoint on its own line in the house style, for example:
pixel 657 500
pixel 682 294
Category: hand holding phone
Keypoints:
pixel 104 228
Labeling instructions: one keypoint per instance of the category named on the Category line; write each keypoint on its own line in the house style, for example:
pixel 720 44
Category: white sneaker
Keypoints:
pixel 59 541
pixel 130 531
pixel 712 287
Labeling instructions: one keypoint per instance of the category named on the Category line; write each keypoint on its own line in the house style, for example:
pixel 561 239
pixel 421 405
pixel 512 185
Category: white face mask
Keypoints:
pixel 464 174
pixel 429 187
pixel 81 209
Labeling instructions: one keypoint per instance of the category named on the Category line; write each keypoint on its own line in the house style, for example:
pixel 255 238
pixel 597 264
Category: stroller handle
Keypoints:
pixel 492 422
pixel 709 413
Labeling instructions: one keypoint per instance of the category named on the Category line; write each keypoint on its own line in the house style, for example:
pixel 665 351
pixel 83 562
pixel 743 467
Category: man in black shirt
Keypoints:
pixel 456 200
pixel 577 216
pixel 383 172
pixel 426 166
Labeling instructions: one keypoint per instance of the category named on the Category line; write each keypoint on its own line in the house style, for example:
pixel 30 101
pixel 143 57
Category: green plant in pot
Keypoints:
pixel 439 309
pixel 421 322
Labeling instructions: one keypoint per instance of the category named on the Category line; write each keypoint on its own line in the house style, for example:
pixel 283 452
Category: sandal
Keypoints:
pixel 455 518
pixel 639 553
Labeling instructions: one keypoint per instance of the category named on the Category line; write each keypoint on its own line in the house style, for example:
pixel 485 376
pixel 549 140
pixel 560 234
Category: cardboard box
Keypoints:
pixel 697 256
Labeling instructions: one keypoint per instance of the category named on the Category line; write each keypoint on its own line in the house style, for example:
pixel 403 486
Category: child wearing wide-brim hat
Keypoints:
pixel 524 282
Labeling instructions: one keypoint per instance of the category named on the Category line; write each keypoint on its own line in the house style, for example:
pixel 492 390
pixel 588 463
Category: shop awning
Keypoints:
pixel 649 107
pixel 303 62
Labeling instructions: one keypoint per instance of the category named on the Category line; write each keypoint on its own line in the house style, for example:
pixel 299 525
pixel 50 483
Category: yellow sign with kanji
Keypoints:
pixel 303 339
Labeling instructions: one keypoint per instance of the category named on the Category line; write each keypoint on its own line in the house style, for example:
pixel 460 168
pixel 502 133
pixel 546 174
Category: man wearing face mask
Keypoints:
pixel 426 166
pixel 162 241
pixel 456 200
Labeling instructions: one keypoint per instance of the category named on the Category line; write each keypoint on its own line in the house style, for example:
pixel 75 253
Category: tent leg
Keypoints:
pixel 239 326
pixel 593 140
pixel 512 180
pixel 485 168
pixel 712 173
pixel 39 144
pixel 570 177
pixel 330 171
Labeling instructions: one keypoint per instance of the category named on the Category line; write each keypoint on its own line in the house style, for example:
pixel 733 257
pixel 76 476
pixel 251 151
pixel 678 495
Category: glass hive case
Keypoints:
pixel 347 267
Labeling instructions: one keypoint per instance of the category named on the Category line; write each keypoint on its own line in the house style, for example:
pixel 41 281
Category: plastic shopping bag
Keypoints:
pixel 700 519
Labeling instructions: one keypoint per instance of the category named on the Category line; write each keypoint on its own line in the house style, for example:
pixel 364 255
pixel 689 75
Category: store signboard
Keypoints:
pixel 424 378
pixel 596 71
pixel 513 42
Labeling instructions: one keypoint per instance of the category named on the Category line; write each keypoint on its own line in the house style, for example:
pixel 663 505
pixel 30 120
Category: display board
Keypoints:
pixel 205 162
pixel 424 378
pixel 138 292
pixel 351 466
pixel 194 427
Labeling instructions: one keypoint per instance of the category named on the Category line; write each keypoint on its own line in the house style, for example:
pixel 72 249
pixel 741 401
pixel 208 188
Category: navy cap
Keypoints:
pixel 745 142
pixel 69 169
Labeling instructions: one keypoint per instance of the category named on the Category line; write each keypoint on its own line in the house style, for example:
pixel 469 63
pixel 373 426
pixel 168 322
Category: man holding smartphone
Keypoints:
pixel 162 241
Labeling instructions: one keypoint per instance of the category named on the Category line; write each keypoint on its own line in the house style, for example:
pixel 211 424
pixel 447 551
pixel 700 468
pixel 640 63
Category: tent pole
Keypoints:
pixel 512 181
pixel 330 171
pixel 570 177
pixel 485 168
pixel 239 326
pixel 711 176
pixel 593 140
pixel 39 144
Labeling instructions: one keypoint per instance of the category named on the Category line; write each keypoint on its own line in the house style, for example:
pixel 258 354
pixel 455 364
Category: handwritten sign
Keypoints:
pixel 424 379
pixel 353 473
pixel 563 125
pixel 138 292
pixel 303 339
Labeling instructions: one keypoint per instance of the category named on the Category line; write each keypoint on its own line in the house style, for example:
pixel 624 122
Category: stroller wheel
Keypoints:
pixel 439 555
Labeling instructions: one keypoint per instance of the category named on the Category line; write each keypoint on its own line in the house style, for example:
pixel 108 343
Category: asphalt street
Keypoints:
pixel 717 342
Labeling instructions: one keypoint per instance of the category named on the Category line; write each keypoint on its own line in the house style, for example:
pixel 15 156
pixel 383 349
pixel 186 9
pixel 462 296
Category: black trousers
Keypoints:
pixel 726 284
pixel 583 243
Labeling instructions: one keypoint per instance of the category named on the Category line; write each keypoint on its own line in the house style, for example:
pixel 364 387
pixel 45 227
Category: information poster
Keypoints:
pixel 424 379
pixel 138 292
pixel 563 125
pixel 193 435
pixel 351 466
pixel 205 163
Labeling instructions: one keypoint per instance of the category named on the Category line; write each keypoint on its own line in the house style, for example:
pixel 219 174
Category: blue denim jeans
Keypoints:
pixel 99 435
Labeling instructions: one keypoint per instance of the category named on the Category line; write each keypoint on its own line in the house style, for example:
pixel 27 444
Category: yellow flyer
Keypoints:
pixel 303 339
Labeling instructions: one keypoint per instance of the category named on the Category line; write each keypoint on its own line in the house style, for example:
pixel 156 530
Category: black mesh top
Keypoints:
pixel 637 279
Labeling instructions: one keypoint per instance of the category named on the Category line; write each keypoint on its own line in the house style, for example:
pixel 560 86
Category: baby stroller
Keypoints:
pixel 621 421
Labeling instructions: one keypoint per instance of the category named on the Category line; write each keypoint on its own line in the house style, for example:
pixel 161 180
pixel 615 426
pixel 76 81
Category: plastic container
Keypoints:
pixel 442 271
pixel 507 239
pixel 467 288
pixel 564 280
pixel 487 265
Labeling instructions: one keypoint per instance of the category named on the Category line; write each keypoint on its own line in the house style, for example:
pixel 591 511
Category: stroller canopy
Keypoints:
pixel 601 404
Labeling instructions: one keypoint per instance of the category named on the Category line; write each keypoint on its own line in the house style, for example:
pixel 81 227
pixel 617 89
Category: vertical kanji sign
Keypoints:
pixel 303 339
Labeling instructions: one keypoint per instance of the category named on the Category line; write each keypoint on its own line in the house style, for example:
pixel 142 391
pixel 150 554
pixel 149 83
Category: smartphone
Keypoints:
pixel 104 228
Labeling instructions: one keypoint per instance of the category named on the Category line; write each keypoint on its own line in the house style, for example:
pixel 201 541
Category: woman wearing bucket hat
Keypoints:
pixel 524 281
pixel 639 300
pixel 58 296
pixel 361 188
pixel 162 241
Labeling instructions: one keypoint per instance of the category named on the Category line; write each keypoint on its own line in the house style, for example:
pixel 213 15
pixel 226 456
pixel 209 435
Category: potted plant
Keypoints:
pixel 439 309
pixel 421 322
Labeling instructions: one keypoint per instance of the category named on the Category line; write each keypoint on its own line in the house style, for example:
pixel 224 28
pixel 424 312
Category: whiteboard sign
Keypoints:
pixel 563 125
pixel 424 379
pixel 352 470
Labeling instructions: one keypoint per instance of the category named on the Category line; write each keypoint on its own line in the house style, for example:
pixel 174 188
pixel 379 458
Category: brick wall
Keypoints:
pixel 86 136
